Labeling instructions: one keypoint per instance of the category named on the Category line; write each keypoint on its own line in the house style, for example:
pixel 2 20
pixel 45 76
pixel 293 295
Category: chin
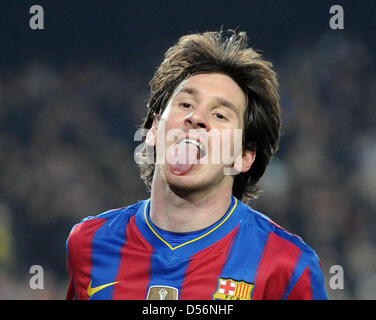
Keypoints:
pixel 189 184
pixel 184 182
pixel 183 185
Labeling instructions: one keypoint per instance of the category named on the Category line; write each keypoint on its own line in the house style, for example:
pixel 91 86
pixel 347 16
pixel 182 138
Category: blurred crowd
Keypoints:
pixel 67 151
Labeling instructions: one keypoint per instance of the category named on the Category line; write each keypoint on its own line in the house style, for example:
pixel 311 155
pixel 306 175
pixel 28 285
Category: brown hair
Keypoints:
pixel 216 52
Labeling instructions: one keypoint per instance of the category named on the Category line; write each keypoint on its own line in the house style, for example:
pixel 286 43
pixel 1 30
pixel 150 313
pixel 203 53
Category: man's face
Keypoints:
pixel 196 134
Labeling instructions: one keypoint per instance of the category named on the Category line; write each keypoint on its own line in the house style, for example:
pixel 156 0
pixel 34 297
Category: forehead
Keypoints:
pixel 213 85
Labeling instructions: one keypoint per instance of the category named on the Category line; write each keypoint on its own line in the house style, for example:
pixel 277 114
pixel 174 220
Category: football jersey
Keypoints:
pixel 121 254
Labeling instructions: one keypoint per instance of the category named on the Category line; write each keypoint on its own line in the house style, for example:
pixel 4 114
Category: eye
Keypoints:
pixel 219 116
pixel 185 105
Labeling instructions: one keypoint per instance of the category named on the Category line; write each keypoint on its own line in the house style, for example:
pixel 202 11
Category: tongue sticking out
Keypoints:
pixel 181 157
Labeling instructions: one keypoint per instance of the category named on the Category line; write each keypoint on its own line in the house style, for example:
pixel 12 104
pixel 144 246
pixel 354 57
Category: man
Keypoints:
pixel 194 238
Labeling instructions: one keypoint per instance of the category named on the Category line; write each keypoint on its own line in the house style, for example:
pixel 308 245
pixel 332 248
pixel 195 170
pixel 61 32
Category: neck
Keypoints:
pixel 179 211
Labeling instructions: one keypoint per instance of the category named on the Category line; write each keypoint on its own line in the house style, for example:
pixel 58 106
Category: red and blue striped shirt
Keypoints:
pixel 121 254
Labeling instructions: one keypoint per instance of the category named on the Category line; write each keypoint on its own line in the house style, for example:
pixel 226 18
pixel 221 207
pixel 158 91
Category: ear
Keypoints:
pixel 244 161
pixel 151 136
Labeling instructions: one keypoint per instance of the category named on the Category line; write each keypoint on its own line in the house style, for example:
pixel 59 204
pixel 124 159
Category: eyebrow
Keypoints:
pixel 223 102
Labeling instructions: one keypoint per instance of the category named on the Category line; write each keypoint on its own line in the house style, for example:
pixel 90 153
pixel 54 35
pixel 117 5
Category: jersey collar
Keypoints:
pixel 194 240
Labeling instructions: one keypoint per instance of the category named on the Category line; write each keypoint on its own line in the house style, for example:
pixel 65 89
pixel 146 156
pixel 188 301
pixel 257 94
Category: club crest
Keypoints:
pixel 229 289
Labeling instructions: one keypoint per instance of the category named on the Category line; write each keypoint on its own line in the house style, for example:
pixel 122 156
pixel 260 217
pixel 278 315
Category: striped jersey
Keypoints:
pixel 121 254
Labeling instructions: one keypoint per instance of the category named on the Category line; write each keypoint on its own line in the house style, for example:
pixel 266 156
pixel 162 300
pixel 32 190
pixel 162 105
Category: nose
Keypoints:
pixel 197 120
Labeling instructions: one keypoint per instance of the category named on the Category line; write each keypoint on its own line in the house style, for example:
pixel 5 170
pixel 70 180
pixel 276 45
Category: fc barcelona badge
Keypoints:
pixel 229 289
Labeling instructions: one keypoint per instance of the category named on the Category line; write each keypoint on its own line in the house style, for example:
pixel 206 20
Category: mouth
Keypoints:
pixel 185 153
pixel 198 144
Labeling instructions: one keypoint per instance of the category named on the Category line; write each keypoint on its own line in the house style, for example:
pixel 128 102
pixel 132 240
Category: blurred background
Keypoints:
pixel 73 94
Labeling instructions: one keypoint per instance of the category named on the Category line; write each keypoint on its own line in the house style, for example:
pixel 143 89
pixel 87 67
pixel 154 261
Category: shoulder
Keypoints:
pixel 84 230
pixel 277 238
pixel 286 263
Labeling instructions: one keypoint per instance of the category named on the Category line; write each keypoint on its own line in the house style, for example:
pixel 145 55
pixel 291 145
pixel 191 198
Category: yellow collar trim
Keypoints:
pixel 193 240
